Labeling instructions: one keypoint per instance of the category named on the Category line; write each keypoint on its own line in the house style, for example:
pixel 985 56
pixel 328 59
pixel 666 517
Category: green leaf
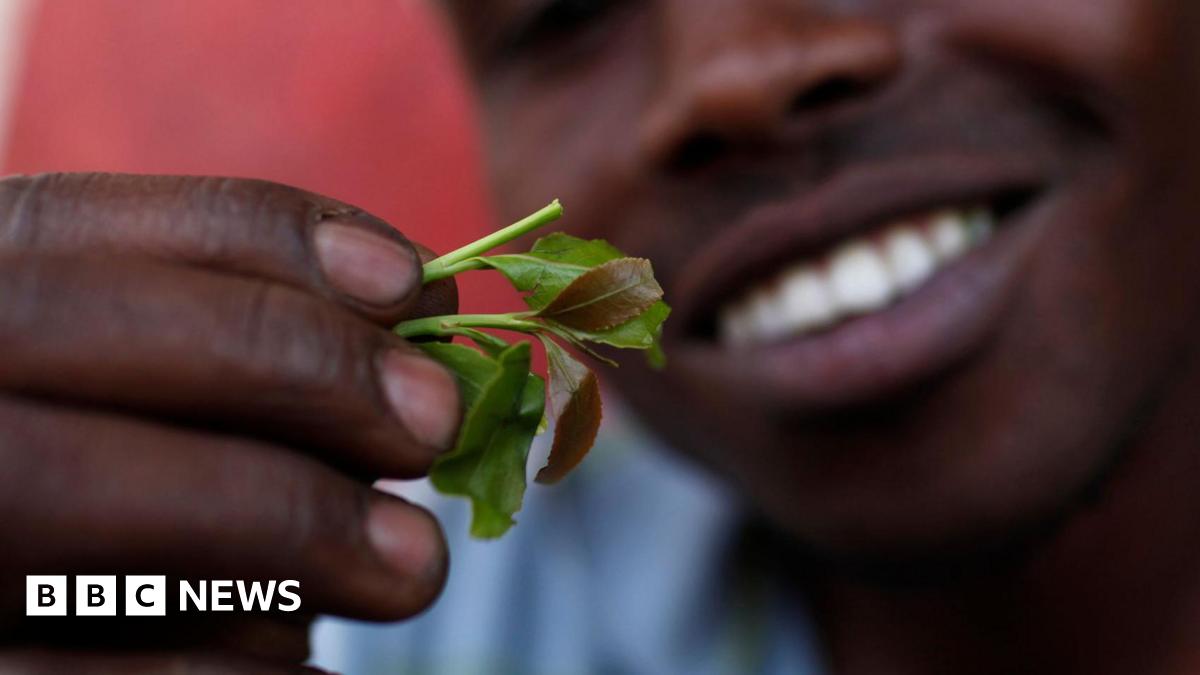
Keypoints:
pixel 655 356
pixel 575 402
pixel 541 279
pixel 501 476
pixel 641 332
pixel 551 265
pixel 472 369
pixel 564 248
pixel 503 405
pixel 605 296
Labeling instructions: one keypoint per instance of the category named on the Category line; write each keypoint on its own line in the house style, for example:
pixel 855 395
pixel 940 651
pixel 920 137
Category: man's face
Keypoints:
pixel 815 182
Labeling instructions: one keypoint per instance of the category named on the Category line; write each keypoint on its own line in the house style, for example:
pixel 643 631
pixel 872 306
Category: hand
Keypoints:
pixel 197 380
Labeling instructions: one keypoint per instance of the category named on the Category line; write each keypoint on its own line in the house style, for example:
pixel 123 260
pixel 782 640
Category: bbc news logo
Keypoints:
pixel 146 595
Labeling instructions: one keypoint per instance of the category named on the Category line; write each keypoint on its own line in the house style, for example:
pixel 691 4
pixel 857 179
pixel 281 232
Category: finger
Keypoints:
pixel 241 354
pixel 84 493
pixel 270 637
pixel 250 227
pixel 275 636
pixel 48 662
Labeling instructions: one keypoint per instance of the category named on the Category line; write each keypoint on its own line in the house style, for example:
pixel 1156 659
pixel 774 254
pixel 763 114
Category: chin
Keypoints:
pixel 922 518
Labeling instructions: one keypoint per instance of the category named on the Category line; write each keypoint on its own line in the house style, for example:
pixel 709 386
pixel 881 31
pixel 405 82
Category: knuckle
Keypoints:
pixel 20 203
pixel 323 525
pixel 302 346
pixel 50 209
pixel 15 455
pixel 259 216
pixel 301 517
pixel 33 303
pixel 18 285
pixel 318 517
pixel 321 514
pixel 264 226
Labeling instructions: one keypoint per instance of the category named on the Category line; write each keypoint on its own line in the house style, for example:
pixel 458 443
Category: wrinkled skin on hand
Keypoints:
pixel 197 379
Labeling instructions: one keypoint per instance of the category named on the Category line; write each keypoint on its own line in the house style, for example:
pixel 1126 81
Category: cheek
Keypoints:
pixel 1138 61
pixel 1107 45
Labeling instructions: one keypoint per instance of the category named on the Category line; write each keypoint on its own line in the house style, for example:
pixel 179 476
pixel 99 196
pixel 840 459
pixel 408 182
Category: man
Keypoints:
pixel 935 311
pixel 977 447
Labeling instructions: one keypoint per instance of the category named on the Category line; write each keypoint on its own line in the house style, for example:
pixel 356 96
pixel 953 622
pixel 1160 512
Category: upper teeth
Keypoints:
pixel 860 276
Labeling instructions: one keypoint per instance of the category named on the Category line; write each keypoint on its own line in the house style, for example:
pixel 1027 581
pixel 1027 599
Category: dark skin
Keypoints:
pixel 198 381
pixel 996 475
pixel 173 337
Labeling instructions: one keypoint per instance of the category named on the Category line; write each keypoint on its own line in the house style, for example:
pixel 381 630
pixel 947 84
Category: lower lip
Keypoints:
pixel 870 357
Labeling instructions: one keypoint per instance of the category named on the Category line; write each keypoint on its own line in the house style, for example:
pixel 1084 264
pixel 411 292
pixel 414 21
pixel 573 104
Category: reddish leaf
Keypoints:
pixel 605 296
pixel 575 400
pixel 575 432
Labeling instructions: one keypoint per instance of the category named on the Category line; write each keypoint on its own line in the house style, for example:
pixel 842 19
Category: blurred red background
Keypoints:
pixel 359 100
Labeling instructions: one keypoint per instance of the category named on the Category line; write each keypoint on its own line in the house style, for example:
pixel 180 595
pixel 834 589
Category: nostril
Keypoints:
pixel 828 93
pixel 698 151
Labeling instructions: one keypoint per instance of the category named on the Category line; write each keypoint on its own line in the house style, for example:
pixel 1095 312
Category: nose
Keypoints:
pixel 742 77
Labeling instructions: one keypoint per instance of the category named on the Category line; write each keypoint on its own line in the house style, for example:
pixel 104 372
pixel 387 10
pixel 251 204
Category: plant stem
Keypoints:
pixel 437 325
pixel 452 263
pixel 453 269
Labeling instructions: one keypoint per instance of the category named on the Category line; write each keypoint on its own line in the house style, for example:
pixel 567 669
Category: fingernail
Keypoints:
pixel 365 265
pixel 423 395
pixel 404 537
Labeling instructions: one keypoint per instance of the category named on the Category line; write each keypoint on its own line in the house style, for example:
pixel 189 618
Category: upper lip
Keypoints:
pixel 848 203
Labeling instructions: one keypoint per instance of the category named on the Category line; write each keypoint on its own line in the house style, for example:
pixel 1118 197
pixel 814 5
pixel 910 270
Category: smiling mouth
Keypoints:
pixel 857 277
pixel 876 280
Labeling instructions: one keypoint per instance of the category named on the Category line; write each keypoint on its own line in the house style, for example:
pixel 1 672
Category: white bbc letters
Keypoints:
pixel 45 595
pixel 95 595
pixel 285 591
pixel 145 595
pixel 222 596
pixel 198 595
